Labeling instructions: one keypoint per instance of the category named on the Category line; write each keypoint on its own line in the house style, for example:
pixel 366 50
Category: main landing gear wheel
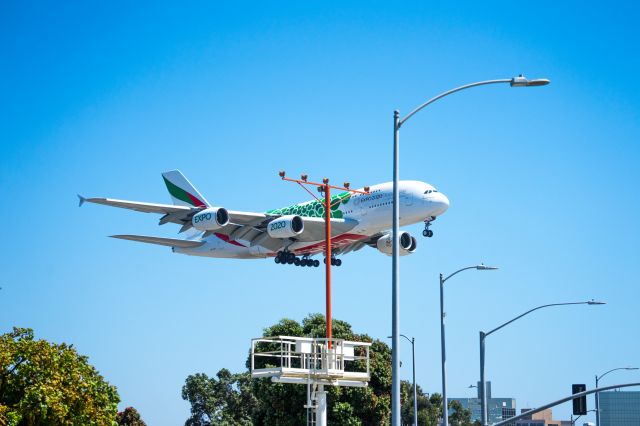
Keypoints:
pixel 334 261
pixel 427 233
pixel 288 258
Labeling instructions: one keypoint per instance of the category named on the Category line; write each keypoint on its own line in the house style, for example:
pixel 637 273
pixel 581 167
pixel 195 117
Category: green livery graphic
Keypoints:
pixel 315 208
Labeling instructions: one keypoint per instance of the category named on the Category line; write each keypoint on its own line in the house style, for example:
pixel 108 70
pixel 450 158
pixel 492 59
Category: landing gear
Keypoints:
pixel 334 261
pixel 427 223
pixel 288 258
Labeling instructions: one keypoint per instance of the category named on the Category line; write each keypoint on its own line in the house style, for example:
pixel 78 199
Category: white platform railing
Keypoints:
pixel 289 359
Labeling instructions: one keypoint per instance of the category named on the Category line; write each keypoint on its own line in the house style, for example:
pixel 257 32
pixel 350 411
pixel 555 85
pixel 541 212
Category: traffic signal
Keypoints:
pixel 579 404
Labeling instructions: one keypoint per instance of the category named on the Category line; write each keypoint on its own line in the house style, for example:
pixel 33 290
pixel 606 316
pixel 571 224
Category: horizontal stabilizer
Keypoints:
pixel 170 242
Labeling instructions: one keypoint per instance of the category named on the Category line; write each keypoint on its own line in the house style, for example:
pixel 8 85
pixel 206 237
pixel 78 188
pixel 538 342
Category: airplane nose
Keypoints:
pixel 441 203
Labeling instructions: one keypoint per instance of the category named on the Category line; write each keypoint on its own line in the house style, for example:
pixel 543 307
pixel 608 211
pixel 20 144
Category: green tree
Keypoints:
pixel 429 407
pixel 129 417
pixel 283 404
pixel 236 399
pixel 43 383
pixel 227 400
pixel 460 415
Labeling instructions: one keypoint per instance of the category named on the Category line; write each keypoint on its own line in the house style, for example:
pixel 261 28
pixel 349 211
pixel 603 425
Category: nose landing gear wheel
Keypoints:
pixel 427 223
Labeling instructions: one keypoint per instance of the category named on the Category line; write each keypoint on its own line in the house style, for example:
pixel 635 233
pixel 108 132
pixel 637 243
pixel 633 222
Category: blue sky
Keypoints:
pixel 100 98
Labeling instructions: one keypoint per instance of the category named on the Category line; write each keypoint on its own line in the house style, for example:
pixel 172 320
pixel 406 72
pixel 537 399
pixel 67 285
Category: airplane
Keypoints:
pixel 293 234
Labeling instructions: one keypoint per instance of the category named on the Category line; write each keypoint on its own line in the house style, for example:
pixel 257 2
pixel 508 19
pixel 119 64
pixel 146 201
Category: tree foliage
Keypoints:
pixel 460 416
pixel 43 383
pixel 129 417
pixel 225 400
pixel 236 399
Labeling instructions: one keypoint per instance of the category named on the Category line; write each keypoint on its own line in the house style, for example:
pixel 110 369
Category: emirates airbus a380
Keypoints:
pixel 291 235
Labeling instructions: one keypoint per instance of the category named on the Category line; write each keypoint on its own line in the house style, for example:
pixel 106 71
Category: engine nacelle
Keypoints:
pixel 408 244
pixel 210 219
pixel 285 227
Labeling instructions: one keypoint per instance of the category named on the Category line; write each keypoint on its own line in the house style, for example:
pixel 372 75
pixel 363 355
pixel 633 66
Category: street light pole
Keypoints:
pixel 484 335
pixel 445 406
pixel 598 393
pixel 415 393
pixel 395 280
pixel 519 81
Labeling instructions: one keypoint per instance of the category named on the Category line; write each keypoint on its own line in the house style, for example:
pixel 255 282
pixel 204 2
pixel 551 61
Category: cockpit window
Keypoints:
pixel 429 191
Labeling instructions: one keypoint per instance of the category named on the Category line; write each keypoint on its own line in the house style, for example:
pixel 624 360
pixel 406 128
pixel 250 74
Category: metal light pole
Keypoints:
pixel 445 406
pixel 484 335
pixel 519 81
pixel 597 395
pixel 415 393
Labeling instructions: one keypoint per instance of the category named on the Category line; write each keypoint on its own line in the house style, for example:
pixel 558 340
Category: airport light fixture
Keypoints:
pixel 325 188
pixel 445 406
pixel 483 336
pixel 519 81
pixel 598 378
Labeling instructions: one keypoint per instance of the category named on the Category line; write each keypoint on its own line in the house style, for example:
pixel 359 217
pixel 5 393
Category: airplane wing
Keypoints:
pixel 137 206
pixel 175 213
pixel 256 234
pixel 314 228
pixel 246 226
pixel 170 242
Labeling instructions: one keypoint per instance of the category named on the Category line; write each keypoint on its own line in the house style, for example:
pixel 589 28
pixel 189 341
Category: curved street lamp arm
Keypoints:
pixel 410 341
pixel 615 369
pixel 459 270
pixel 457 89
pixel 531 310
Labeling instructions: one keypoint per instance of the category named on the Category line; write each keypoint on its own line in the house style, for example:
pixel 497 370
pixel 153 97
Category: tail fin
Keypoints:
pixel 181 191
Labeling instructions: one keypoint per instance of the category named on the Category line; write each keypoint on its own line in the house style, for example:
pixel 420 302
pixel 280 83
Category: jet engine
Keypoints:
pixel 408 244
pixel 210 219
pixel 285 227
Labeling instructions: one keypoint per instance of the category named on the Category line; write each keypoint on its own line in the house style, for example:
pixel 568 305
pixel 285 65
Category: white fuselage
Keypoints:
pixel 419 201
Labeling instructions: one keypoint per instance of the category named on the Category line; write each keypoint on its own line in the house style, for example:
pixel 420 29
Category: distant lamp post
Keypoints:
pixel 597 410
pixel 483 336
pixel 445 405
pixel 415 394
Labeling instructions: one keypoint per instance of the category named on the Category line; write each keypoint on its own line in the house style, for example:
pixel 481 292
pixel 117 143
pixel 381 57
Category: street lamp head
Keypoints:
pixel 522 81
pixel 483 267
pixel 596 302
pixel 631 368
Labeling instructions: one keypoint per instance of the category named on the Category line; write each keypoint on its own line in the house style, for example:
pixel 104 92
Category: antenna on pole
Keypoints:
pixel 328 205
